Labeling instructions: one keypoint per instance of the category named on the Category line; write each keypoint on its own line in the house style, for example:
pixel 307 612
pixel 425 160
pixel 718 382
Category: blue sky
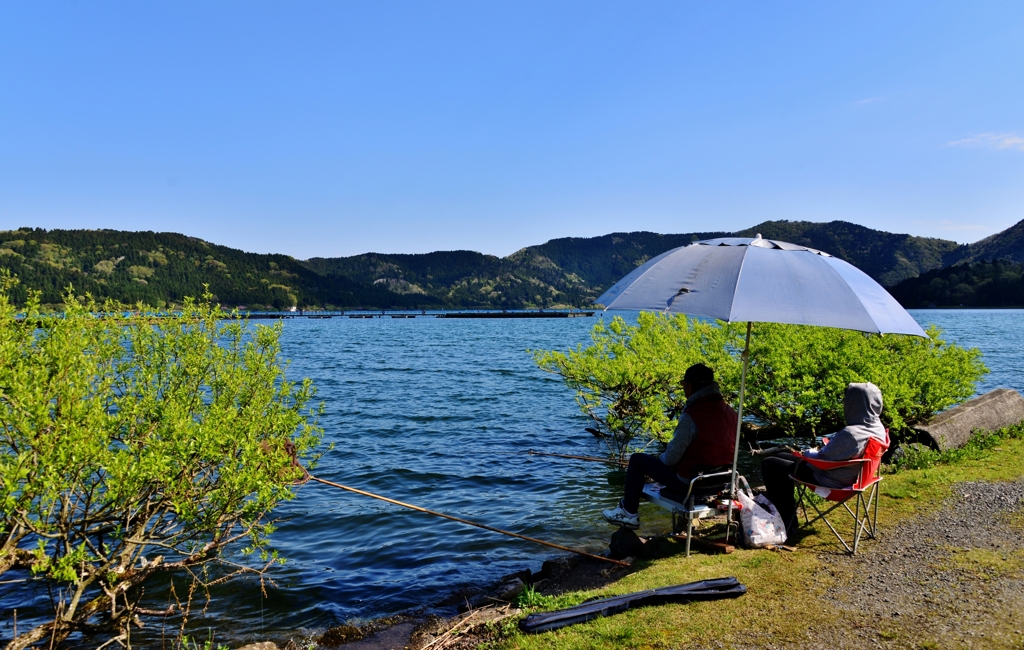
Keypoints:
pixel 336 128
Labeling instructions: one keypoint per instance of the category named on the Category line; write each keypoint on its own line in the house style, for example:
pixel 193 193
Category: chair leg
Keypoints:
pixel 689 528
pixel 801 502
pixel 828 523
pixel 874 516
pixel 864 514
pixel 858 525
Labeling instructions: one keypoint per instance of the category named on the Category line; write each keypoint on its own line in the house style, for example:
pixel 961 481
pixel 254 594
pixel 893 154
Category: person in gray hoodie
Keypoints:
pixel 862 408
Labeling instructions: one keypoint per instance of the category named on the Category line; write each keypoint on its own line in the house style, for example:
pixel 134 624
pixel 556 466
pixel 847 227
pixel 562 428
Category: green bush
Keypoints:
pixel 628 379
pixel 133 446
pixel 798 375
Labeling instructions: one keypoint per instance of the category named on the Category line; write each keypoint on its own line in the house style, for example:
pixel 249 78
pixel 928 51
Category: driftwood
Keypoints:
pixel 994 410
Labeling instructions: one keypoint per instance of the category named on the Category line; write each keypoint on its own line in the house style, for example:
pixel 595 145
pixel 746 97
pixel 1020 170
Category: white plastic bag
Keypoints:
pixel 762 523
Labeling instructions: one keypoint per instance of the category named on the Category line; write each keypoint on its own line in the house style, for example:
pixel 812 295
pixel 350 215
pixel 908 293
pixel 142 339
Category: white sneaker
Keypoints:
pixel 620 517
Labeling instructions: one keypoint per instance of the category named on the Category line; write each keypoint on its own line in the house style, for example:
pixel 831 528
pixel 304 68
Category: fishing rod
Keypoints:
pixel 466 521
pixel 608 461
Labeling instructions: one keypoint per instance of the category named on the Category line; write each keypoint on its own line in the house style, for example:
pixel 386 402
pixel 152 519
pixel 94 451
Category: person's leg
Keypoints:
pixel 641 466
pixel 779 487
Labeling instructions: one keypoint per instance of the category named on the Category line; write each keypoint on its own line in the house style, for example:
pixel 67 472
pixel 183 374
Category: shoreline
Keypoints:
pixel 458 620
pixel 468 616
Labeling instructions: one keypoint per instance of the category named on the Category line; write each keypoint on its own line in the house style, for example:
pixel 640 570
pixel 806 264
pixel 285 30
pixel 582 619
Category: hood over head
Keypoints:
pixel 862 407
pixel 862 404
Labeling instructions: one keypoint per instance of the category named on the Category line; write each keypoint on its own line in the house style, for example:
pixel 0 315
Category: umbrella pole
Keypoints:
pixel 739 424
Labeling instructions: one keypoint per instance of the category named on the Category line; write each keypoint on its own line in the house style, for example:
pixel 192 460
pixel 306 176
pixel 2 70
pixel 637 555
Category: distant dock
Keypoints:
pixel 483 313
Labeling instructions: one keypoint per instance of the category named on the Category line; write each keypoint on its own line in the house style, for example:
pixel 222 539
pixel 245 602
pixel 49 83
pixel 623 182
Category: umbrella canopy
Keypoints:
pixel 736 279
pixel 760 280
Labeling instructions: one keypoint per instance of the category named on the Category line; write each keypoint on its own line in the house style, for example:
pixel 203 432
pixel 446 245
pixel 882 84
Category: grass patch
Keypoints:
pixel 987 564
pixel 532 600
pixel 787 590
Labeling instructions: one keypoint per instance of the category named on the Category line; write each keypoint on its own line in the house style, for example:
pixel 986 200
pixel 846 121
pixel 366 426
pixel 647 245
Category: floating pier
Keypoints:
pixel 519 313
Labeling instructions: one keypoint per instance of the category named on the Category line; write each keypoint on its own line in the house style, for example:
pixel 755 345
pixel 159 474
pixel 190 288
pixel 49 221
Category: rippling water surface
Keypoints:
pixel 441 413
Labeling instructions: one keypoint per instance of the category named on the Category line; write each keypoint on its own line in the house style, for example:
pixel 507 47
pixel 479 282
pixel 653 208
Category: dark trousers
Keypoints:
pixel 641 465
pixel 776 471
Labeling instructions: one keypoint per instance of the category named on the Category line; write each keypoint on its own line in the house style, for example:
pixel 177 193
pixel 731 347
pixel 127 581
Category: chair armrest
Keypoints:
pixel 831 464
pixel 717 477
pixel 705 477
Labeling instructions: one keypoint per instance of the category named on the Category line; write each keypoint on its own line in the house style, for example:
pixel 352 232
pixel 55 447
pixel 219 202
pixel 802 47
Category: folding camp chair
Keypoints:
pixel 684 506
pixel 863 493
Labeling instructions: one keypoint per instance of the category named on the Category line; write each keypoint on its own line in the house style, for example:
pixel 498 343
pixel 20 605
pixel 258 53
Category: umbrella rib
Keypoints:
pixel 635 280
pixel 739 276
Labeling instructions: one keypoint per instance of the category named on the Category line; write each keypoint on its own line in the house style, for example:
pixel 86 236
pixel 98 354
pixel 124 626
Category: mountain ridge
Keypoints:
pixel 159 269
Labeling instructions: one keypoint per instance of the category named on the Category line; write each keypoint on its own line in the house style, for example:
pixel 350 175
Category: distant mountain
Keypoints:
pixel 561 273
pixel 601 261
pixel 986 273
pixel 161 268
pixel 886 257
pixel 463 279
pixel 1005 245
pixel 980 284
pixel 573 271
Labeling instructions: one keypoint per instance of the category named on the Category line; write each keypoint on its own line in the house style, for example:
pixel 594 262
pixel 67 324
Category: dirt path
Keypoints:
pixel 950 580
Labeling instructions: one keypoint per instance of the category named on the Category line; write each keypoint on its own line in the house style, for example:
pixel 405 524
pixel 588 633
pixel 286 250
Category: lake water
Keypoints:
pixel 441 413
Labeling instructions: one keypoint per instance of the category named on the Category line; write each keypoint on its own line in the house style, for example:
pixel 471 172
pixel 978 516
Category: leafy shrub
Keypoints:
pixel 137 446
pixel 798 375
pixel 628 380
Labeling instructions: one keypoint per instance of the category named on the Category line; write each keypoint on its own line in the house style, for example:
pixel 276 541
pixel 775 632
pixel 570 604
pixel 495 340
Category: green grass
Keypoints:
pixel 786 590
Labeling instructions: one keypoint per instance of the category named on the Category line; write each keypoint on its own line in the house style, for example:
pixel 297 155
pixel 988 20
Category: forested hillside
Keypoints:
pixel 160 269
pixel 887 257
pixel 467 279
pixel 572 271
pixel 981 284
pixel 601 261
pixel 1005 245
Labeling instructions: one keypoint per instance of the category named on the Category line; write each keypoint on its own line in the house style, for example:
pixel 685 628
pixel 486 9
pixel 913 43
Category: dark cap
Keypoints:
pixel 699 374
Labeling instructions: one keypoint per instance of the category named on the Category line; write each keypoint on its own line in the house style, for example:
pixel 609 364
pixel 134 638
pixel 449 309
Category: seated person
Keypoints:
pixel 705 437
pixel 862 407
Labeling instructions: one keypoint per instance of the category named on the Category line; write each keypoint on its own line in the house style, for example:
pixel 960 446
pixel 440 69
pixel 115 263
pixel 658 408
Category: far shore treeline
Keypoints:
pixel 161 269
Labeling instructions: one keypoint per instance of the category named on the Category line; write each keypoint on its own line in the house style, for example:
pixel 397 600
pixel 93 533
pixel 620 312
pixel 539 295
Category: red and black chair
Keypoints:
pixel 863 494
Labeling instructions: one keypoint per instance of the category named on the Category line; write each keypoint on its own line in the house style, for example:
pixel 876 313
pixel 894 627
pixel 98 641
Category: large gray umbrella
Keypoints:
pixel 736 279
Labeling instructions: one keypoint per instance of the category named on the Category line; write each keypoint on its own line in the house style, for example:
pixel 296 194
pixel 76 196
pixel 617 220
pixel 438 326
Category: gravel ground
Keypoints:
pixel 950 580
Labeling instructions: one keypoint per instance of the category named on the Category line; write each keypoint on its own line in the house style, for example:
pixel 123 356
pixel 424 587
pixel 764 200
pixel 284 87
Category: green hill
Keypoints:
pixel 1005 245
pixel 601 261
pixel 161 268
pixel 573 271
pixel 986 273
pixel 886 257
pixel 981 284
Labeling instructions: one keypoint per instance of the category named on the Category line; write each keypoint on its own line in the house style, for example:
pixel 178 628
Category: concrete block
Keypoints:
pixel 994 410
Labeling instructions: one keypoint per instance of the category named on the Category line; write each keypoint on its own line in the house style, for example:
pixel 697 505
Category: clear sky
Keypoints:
pixel 335 128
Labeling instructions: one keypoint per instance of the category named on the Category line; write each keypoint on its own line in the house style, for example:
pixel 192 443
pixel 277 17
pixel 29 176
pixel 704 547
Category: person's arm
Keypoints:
pixel 842 446
pixel 686 431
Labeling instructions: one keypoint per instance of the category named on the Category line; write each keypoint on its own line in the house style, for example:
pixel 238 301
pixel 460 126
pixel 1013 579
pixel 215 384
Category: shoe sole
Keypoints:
pixel 623 524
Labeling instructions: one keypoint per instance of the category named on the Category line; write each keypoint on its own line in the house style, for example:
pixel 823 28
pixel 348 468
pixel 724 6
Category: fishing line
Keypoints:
pixel 466 521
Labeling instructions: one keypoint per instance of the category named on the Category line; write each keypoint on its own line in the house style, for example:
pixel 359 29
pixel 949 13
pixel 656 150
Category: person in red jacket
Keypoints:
pixel 704 440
